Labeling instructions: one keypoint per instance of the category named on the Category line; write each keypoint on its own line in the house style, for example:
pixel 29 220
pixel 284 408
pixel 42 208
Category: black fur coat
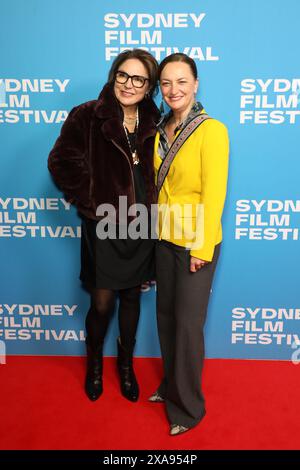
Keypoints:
pixel 91 160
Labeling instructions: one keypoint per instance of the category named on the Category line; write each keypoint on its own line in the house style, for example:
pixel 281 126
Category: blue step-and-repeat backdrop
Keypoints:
pixel 55 55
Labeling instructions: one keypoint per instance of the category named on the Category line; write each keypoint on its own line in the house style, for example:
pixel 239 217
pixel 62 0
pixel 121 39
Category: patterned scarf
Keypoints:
pixel 163 146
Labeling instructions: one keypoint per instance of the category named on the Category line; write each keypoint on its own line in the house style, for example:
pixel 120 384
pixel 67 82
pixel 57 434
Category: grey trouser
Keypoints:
pixel 182 299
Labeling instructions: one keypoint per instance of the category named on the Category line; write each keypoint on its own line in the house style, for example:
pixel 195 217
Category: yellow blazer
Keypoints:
pixel 197 178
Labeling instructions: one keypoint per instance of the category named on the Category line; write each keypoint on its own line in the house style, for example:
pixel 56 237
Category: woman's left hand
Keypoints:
pixel 196 264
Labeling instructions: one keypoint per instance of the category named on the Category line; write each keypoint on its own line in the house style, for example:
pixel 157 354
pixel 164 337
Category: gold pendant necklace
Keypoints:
pixel 135 157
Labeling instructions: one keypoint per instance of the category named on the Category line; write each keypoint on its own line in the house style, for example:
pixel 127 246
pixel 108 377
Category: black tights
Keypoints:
pixel 100 312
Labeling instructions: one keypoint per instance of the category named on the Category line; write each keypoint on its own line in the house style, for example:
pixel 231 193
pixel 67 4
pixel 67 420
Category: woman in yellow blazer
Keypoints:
pixel 192 188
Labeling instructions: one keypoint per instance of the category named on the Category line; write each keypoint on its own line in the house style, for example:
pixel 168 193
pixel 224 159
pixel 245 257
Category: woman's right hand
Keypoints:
pixel 196 264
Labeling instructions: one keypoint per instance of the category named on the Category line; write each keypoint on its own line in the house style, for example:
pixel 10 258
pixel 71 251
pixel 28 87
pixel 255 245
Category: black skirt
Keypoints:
pixel 116 263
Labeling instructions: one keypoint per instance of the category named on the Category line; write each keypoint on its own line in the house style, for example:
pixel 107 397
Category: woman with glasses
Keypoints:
pixel 102 159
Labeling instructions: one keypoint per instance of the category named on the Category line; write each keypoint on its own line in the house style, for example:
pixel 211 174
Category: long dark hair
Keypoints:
pixel 143 56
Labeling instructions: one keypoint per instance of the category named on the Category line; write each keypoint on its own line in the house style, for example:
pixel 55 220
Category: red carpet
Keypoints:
pixel 250 405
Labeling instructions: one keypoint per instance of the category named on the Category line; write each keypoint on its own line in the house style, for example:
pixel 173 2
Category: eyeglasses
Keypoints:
pixel 136 80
